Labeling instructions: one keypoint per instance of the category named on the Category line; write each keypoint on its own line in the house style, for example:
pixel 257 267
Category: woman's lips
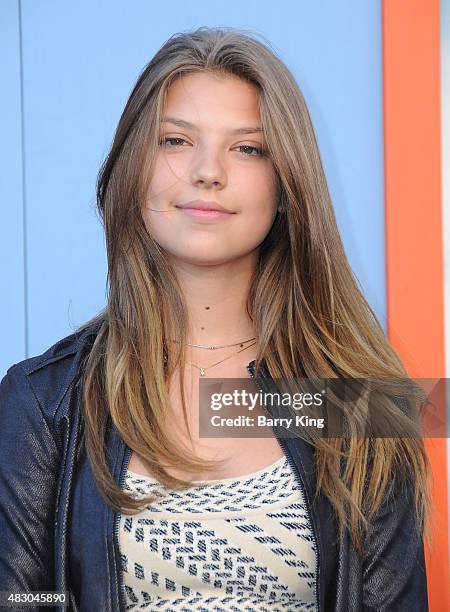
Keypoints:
pixel 206 215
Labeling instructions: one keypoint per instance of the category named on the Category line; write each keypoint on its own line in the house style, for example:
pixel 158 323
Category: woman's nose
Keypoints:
pixel 208 169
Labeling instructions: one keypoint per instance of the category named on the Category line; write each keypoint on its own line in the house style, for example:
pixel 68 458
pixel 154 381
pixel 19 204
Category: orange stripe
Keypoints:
pixel 414 249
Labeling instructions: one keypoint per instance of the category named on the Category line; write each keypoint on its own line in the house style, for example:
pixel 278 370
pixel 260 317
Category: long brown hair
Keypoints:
pixel 310 316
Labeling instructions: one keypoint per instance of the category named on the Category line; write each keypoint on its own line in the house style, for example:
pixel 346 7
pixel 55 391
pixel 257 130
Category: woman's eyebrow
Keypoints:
pixel 186 124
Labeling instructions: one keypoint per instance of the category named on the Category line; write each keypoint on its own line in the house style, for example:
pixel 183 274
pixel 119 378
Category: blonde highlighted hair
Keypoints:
pixel 310 316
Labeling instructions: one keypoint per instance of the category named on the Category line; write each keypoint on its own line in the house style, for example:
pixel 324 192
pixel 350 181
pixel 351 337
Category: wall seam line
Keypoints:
pixel 24 194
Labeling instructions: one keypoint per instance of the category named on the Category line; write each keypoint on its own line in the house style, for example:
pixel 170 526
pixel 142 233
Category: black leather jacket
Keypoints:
pixel 57 533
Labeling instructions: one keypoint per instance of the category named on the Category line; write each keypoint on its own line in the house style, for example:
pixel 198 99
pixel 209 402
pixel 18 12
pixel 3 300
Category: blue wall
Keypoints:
pixel 68 70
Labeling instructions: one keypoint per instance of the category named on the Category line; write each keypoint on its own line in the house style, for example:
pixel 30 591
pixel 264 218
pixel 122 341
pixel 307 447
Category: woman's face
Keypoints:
pixel 204 157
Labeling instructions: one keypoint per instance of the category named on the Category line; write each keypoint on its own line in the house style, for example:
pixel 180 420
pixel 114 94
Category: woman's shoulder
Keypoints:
pixel 44 379
pixel 62 349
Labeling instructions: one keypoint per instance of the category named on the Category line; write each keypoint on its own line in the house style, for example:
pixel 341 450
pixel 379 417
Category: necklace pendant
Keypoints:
pixel 202 371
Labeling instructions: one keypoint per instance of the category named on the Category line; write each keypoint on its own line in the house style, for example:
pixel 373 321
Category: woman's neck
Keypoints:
pixel 216 300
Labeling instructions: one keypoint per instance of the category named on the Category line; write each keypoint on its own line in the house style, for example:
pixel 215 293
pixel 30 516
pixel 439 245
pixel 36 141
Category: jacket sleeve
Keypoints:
pixel 28 473
pixel 394 572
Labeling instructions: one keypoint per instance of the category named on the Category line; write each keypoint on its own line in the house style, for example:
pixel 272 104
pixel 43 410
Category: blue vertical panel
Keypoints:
pixel 13 300
pixel 80 62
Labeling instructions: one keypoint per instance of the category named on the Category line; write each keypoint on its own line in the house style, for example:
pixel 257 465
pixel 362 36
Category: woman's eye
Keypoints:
pixel 166 140
pixel 260 152
pixel 249 150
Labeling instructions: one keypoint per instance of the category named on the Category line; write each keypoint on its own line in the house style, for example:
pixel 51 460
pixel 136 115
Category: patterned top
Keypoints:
pixel 232 545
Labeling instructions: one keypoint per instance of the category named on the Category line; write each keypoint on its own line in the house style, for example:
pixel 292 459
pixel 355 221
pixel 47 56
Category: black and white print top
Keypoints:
pixel 233 545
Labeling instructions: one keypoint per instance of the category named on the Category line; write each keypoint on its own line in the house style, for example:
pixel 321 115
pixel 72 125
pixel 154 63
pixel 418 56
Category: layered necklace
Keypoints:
pixel 244 345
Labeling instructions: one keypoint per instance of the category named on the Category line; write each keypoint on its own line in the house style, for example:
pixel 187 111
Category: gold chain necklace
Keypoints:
pixel 213 348
pixel 203 370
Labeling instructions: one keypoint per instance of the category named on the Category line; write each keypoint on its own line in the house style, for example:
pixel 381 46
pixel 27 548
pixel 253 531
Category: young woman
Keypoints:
pixel 224 261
